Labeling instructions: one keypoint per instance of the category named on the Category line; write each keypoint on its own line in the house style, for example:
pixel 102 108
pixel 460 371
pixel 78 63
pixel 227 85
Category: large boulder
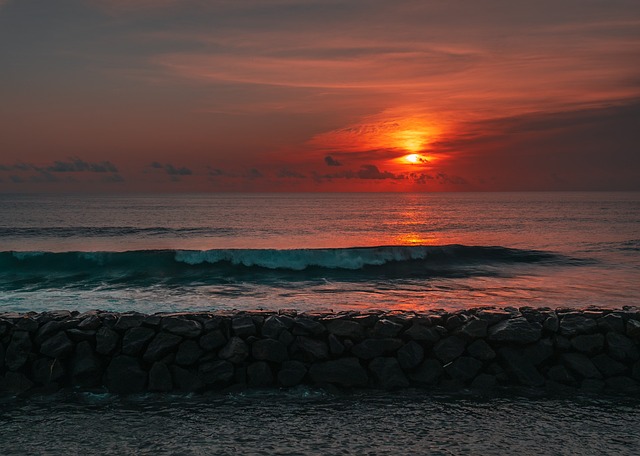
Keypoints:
pixel 86 368
pixel 346 328
pixel 57 346
pixel 235 351
pixel 464 368
pixel 621 347
pixel 189 352
pixel 275 324
pixel 520 366
pixel 212 340
pixel 291 373
pixel 428 373
pixel 410 355
pixel 182 327
pixel 343 372
pixel 373 348
pixel 160 378
pixel 448 349
pixel 186 380
pixel 573 324
pixel 259 374
pixel 311 349
pixel 18 350
pixel 517 330
pixel 106 340
pixel 581 364
pixel 47 370
pixel 423 333
pixel 387 373
pixel 161 345
pixel 218 373
pixel 269 350
pixel 481 350
pixel 136 339
pixel 243 326
pixel 385 328
pixel 588 343
pixel 125 375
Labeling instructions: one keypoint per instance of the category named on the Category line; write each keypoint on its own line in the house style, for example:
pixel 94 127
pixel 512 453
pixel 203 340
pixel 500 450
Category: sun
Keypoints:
pixel 412 158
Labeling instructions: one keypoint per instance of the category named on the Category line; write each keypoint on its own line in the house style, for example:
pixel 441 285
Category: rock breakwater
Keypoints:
pixel 485 348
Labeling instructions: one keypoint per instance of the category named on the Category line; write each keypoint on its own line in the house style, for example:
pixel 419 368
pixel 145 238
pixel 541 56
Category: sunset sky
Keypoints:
pixel 319 95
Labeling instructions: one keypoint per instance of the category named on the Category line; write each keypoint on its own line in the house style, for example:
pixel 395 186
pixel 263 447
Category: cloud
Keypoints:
pixel 330 161
pixel 77 165
pixel 287 173
pixel 172 170
pixel 365 172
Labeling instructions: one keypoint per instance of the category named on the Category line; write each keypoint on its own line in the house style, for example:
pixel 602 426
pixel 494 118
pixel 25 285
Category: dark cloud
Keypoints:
pixel 330 161
pixel 172 170
pixel 113 178
pixel 75 165
pixel 16 179
pixel 365 172
pixel 254 174
pixel 287 173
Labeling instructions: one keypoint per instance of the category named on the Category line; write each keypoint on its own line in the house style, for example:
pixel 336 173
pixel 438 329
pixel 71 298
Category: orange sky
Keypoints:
pixel 309 95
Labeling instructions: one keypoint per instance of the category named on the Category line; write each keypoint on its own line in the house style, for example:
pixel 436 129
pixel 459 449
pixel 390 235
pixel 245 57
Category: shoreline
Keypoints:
pixel 592 350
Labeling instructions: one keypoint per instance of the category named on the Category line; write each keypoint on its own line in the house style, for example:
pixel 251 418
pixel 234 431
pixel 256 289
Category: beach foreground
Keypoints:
pixel 484 349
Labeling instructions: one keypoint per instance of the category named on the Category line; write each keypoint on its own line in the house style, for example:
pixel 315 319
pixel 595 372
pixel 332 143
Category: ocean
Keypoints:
pixel 308 252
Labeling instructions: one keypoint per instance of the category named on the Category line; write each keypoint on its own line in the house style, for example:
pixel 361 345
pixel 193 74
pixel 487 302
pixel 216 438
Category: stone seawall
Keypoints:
pixel 126 353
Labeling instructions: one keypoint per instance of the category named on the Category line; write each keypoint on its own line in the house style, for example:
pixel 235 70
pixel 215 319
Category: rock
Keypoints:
pixel 307 326
pixel 551 324
pixel 387 373
pixel 235 351
pixel 386 328
pixel 410 355
pixel 79 335
pixel 344 372
pixel 562 343
pixel 292 373
pixel 608 366
pixel 635 371
pixel 243 326
pixel 106 340
pixel 18 350
pixel 92 322
pixel 453 322
pixel 428 373
pixel 259 374
pixel 611 322
pixel 423 333
pixel 47 370
pixel 633 329
pixel 539 352
pixel 26 324
pixel 182 327
pixel 186 380
pixel 623 384
pixel 270 350
pixel 16 382
pixel 125 375
pixel 481 350
pixel 286 338
pixel 560 374
pixel 189 352
pixel 346 328
pixel 86 368
pixel 621 347
pixel 463 368
pixel 136 339
pixel 275 324
pixel 128 321
pixel 474 329
pixel 160 378
pixel 310 349
pixel 373 348
pixel 592 385
pixel 580 364
pixel 521 367
pixel 212 340
pixel 217 373
pixel 484 382
pixel 335 346
pixel 161 346
pixel 574 324
pixel 518 330
pixel 449 348
pixel 57 346
pixel 2 352
pixel 588 343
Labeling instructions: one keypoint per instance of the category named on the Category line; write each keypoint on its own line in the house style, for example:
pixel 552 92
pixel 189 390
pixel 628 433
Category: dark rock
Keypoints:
pixel 580 364
pixel 47 370
pixel 592 385
pixel 310 349
pixel 621 347
pixel 292 373
pixel 243 326
pixel 611 322
pixel 160 378
pixel 539 352
pixel 189 352
pixel 26 324
pixel 633 329
pixel 410 355
pixel 286 338
pixel 57 346
pixel 562 343
pixel 484 382
pixel 335 346
pixel 368 320
pixel 307 326
pixel 78 335
pixel 453 322
pixel 346 328
pixel 518 330
pixel 623 384
pixel 18 350
pixel 136 339
pixel 106 340
pixel 560 374
pixel 186 380
pixel 218 372
pixel 152 321
pixel 635 371
pixel 608 366
pixel 474 329
pixel 161 346
pixel 2 352
pixel 92 322
pixel 128 321
pixel 428 373
pixel 373 348
pixel 47 330
pixel 423 333
pixel 235 351
pixel 386 328
pixel 125 375
pixel 212 340
pixel 182 327
pixel 521 367
pixel 86 368
pixel 387 373
pixel 463 368
pixel 344 372
pixel 270 350
pixel 449 348
pixel 574 324
pixel 551 324
pixel 588 343
pixel 481 350
pixel 259 374
pixel 492 316
pixel 16 383
pixel 275 324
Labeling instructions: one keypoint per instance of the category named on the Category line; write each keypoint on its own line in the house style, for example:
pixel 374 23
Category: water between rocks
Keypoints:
pixel 307 421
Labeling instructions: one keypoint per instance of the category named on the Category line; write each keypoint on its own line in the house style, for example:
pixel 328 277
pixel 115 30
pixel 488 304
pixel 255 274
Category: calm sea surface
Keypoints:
pixel 318 251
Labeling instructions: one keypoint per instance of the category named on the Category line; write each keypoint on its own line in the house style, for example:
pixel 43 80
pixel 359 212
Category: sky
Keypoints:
pixel 319 95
